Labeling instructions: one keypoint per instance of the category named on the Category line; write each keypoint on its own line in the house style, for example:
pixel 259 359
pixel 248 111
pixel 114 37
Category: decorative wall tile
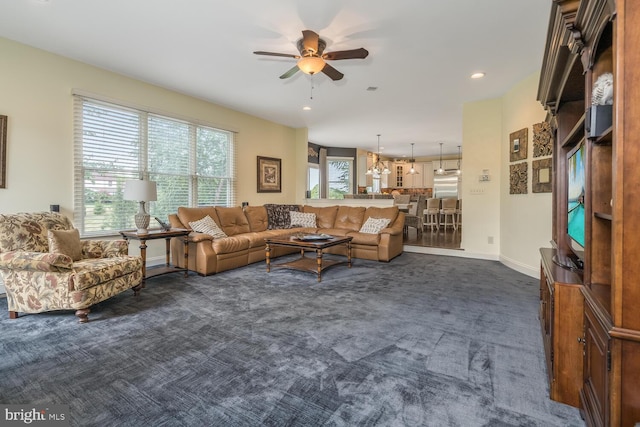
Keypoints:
pixel 542 144
pixel 518 178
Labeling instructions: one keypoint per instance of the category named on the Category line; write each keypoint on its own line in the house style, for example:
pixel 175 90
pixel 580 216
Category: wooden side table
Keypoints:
pixel 160 234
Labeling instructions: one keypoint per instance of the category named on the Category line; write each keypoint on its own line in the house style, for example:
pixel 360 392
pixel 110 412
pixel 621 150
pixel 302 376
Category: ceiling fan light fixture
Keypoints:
pixel 311 64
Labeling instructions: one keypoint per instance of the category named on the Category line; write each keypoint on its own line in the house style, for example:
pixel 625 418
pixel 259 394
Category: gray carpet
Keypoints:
pixel 423 340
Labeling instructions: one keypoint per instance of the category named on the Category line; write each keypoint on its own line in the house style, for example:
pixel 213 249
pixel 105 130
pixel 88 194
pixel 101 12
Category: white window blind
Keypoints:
pixel 192 164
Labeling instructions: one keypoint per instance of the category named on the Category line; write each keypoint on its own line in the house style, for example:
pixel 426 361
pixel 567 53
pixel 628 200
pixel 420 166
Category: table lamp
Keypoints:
pixel 141 191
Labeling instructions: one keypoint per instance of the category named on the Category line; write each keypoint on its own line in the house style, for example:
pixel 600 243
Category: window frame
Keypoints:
pixel 191 176
pixel 328 182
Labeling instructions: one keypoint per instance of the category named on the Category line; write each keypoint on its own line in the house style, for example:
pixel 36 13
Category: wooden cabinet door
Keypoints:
pixel 546 314
pixel 595 392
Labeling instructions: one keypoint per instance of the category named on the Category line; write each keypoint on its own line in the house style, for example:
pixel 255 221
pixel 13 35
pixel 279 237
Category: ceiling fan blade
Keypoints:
pixel 332 72
pixel 310 40
pixel 285 55
pixel 290 73
pixel 347 54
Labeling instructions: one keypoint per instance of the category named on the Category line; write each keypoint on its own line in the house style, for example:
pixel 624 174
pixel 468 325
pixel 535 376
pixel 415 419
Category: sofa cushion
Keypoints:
pixel 65 242
pixel 15 228
pixel 374 225
pixel 257 217
pixel 301 219
pixel 233 220
pixel 390 212
pixel 278 215
pixel 230 244
pixel 187 215
pixel 325 216
pixel 349 217
pixel 208 226
pixel 92 272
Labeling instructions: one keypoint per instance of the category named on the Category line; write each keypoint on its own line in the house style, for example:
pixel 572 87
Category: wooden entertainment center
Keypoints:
pixel 590 315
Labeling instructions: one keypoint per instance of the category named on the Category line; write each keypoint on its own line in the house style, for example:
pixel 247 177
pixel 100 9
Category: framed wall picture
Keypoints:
pixel 518 145
pixel 518 178
pixel 269 175
pixel 3 151
pixel 541 176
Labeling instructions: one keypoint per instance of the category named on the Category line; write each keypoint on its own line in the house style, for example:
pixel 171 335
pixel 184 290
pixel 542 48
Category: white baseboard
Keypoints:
pixel 449 252
pixel 520 267
pixel 512 264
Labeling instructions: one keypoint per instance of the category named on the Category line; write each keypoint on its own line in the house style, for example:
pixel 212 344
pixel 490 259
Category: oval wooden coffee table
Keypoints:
pixel 308 244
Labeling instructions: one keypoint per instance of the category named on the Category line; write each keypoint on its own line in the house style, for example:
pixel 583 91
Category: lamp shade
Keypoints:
pixel 140 190
pixel 311 64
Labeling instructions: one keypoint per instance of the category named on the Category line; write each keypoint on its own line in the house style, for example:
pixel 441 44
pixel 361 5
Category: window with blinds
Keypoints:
pixel 192 164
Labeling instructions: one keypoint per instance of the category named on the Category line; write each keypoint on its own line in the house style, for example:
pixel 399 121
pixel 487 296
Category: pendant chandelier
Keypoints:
pixel 413 170
pixel 459 171
pixel 378 168
pixel 440 170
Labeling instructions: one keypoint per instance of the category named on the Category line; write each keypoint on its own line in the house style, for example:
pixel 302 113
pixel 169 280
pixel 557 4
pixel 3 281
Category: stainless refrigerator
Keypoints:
pixel 446 185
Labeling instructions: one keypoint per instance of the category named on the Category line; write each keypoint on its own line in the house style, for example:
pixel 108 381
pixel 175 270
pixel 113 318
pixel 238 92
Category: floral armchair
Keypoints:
pixel 45 266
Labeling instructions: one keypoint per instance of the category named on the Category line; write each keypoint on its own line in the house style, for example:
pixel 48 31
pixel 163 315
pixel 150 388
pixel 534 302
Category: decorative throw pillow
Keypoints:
pixel 279 216
pixel 208 226
pixel 65 242
pixel 374 225
pixel 300 219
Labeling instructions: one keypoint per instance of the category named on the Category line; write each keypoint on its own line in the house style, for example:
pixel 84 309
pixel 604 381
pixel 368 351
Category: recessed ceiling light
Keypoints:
pixel 477 75
pixel 306 108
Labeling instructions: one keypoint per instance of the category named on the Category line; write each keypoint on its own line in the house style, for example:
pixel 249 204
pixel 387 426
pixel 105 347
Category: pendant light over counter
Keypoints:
pixel 413 170
pixel 378 168
pixel 440 170
pixel 459 171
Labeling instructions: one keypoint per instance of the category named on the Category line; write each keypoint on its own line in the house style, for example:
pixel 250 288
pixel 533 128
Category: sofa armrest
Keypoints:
pixel 104 248
pixel 393 231
pixel 195 237
pixel 175 222
pixel 35 261
pixel 397 227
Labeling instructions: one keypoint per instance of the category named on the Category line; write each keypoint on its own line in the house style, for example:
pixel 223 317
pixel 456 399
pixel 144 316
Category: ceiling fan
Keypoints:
pixel 312 56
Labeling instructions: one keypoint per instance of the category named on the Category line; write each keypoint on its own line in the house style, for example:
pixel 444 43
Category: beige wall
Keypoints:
pixel 35 94
pixel 525 218
pixel 520 224
pixel 482 122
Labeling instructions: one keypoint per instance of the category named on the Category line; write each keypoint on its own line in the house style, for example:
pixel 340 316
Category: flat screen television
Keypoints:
pixel 575 202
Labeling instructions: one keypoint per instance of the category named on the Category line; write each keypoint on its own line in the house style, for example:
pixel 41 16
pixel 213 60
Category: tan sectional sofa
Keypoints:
pixel 247 228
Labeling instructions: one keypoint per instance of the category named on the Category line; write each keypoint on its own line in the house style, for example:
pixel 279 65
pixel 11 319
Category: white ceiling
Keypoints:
pixel 421 54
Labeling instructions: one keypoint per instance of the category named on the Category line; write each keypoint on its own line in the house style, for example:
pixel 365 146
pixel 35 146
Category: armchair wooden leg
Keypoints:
pixel 137 289
pixel 13 315
pixel 83 315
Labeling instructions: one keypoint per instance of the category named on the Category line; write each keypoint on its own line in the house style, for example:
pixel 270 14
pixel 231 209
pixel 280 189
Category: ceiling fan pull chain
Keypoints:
pixel 311 97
